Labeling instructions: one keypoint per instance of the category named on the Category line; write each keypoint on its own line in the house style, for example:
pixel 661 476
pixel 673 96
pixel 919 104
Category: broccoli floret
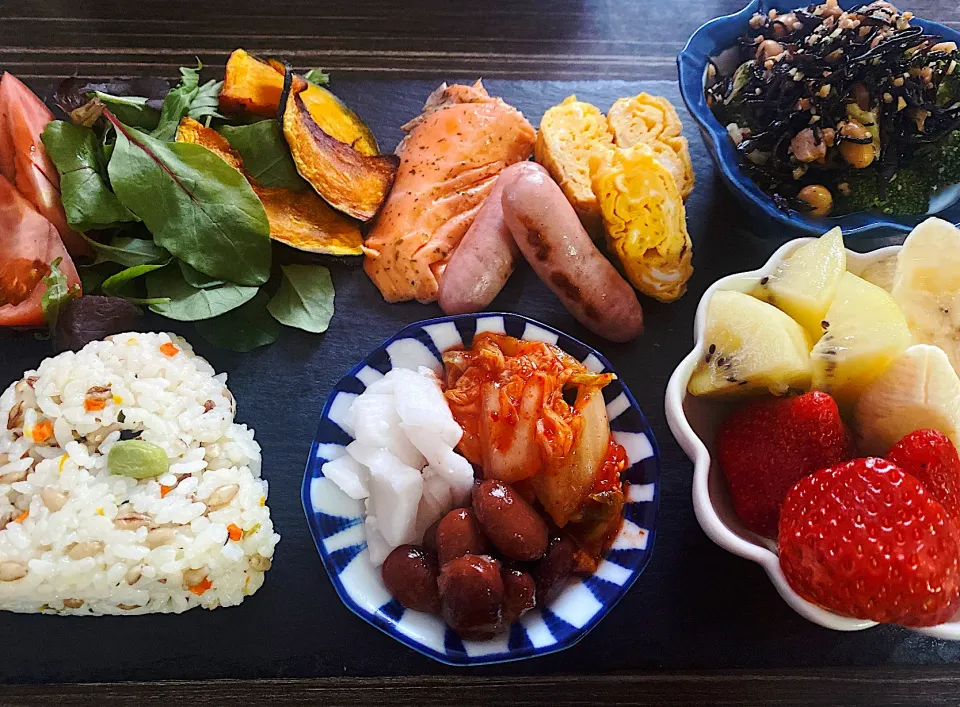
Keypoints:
pixel 858 191
pixel 946 162
pixel 907 194
pixel 949 89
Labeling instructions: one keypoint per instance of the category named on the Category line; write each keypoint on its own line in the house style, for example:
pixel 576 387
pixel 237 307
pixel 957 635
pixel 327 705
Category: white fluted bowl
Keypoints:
pixel 694 422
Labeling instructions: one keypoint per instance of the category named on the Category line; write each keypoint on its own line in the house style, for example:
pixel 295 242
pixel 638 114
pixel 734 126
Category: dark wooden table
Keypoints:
pixel 700 627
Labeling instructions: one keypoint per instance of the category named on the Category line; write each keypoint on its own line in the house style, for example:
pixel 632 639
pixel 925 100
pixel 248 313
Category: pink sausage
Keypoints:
pixel 551 238
pixel 485 258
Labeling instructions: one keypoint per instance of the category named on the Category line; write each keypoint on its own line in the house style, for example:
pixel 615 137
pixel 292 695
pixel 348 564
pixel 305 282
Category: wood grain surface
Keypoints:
pixel 701 627
pixel 522 39
pixel 733 689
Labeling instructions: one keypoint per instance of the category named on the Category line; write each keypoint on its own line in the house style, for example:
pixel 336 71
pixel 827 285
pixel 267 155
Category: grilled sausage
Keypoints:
pixel 551 238
pixel 485 258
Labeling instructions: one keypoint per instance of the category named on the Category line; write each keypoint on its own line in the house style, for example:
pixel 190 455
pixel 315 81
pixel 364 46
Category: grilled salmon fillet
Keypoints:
pixel 449 161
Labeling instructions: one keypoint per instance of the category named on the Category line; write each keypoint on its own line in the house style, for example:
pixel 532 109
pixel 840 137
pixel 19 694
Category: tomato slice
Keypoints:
pixel 28 244
pixel 24 160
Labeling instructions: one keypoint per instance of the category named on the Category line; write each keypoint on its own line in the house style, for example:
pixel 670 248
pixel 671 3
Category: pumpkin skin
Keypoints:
pixel 351 182
pixel 301 220
pixel 255 86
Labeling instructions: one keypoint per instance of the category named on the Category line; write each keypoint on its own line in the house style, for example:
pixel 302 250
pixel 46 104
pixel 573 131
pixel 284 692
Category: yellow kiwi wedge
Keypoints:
pixel 804 284
pixel 750 346
pixel 863 332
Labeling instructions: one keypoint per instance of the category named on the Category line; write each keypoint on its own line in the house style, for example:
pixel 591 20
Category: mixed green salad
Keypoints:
pixel 171 225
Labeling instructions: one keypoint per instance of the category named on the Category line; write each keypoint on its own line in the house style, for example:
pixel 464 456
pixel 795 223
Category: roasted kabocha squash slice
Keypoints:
pixel 645 220
pixel 304 221
pixel 254 86
pixel 350 181
pixel 301 220
pixel 196 133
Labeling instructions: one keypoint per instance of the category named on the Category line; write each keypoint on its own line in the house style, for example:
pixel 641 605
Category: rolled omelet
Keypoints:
pixel 569 133
pixel 653 120
pixel 643 118
pixel 644 219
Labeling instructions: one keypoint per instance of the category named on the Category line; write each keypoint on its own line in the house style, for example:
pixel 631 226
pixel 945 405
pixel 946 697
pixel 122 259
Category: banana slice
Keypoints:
pixel 926 285
pixel 881 273
pixel 919 391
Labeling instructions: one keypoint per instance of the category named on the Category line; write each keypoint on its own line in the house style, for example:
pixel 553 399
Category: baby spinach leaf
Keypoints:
pixel 188 98
pixel 305 298
pixel 128 251
pixel 243 329
pixel 266 157
pixel 87 200
pixel 318 77
pixel 196 278
pixel 57 294
pixel 188 303
pixel 131 110
pixel 196 206
pixel 118 285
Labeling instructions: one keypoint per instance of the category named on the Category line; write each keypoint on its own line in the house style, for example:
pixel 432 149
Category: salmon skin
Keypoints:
pixel 449 162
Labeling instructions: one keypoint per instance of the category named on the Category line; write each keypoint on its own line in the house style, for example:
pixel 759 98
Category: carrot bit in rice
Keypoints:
pixel 94 404
pixel 164 490
pixel 22 517
pixel 42 431
pixel 199 589
pixel 169 349
pixel 234 531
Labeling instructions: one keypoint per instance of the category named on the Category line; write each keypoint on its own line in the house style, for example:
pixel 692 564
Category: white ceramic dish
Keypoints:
pixel 694 421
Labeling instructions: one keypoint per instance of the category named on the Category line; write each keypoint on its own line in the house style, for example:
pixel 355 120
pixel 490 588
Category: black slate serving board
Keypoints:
pixel 695 607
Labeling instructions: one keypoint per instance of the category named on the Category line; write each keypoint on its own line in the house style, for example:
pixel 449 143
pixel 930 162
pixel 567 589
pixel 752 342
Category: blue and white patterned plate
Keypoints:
pixel 336 520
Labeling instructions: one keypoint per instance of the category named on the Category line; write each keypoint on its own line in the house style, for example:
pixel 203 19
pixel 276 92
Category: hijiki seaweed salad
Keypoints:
pixel 835 111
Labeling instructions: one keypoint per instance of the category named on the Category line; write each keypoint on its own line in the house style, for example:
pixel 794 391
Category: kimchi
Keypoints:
pixel 535 417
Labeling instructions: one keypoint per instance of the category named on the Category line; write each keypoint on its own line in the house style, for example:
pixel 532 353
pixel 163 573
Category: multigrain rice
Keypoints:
pixel 76 539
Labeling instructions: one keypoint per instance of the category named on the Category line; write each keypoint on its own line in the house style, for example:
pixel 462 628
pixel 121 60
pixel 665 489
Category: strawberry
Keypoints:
pixel 931 458
pixel 864 539
pixel 768 445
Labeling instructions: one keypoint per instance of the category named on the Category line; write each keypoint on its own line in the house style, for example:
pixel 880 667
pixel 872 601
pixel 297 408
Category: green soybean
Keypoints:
pixel 137 459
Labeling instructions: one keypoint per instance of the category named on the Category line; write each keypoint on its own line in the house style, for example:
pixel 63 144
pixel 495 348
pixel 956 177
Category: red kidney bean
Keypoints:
pixel 554 569
pixel 519 595
pixel 471 594
pixel 410 574
pixel 430 537
pixel 459 534
pixel 509 521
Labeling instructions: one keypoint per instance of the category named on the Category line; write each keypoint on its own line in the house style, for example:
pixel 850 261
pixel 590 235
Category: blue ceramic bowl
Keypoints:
pixel 709 42
pixel 336 521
